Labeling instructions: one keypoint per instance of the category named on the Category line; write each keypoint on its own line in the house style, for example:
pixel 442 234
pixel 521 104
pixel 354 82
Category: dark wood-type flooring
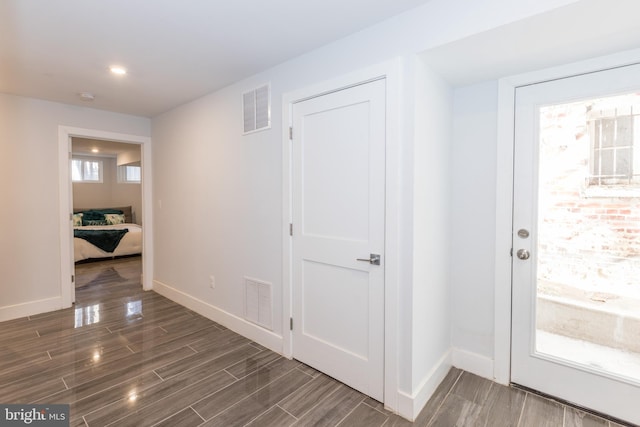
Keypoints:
pixel 125 357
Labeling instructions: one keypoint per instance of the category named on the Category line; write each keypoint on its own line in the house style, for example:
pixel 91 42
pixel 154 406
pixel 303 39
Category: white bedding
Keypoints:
pixel 130 244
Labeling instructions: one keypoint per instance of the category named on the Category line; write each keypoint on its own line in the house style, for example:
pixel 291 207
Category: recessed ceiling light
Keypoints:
pixel 118 70
pixel 95 150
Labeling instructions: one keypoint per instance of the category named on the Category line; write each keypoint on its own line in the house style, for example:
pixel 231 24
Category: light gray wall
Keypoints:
pixel 225 192
pixel 218 194
pixel 431 297
pixel 30 214
pixel 473 213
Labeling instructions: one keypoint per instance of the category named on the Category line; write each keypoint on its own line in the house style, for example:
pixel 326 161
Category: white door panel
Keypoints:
pixel 566 275
pixel 338 215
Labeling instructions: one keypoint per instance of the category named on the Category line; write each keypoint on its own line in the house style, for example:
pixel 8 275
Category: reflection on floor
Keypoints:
pixel 124 357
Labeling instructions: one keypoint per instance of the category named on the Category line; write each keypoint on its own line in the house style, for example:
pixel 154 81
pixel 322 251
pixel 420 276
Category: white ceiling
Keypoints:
pixel 174 50
pixel 578 31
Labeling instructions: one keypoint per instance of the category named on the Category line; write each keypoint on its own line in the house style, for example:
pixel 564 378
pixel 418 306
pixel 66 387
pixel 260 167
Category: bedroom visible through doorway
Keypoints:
pixel 106 199
pixel 143 213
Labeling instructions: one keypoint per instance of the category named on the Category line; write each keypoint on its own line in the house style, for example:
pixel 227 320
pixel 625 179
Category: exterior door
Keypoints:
pixel 576 241
pixel 338 192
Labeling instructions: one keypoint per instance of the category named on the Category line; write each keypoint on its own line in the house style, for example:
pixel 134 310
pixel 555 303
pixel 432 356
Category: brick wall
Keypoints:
pixel 588 236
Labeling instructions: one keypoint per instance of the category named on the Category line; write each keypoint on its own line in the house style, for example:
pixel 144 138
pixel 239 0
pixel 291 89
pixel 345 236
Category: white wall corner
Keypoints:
pixel 247 329
pixel 472 362
pixel 409 406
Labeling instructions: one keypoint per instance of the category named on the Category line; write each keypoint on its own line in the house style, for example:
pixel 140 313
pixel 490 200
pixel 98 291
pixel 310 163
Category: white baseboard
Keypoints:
pixel 30 308
pixel 409 406
pixel 266 338
pixel 473 362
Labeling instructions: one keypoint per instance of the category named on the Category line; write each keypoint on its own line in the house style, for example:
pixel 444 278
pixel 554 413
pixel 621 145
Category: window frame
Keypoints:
pixel 121 173
pixel 599 185
pixel 84 179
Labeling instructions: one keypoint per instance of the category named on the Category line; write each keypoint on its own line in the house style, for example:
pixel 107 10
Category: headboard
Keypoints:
pixel 126 210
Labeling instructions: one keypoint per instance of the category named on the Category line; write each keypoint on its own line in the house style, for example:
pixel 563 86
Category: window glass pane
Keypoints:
pixel 129 174
pixel 133 173
pixel 606 167
pixel 623 162
pixel 76 170
pixel 624 131
pixel 608 133
pixel 614 142
pixel 91 171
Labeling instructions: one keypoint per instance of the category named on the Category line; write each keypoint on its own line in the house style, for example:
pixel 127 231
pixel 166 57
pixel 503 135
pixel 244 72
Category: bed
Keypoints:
pixel 105 233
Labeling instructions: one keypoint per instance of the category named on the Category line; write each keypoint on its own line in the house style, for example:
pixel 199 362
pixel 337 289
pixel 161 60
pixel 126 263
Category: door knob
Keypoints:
pixel 373 259
pixel 523 254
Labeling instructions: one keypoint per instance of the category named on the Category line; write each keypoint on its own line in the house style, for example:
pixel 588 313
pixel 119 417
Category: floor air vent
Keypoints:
pixel 257 307
pixel 256 105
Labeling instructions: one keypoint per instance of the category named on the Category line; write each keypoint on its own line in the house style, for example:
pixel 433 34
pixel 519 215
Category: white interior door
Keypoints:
pixel 338 188
pixel 576 241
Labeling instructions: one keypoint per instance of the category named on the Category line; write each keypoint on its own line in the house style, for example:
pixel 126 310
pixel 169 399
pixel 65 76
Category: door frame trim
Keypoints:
pixel 391 72
pixel 65 133
pixel 504 190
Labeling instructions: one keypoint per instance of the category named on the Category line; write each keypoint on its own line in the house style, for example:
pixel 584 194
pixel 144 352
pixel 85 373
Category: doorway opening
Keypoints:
pixel 106 181
pixel 66 136
pixel 576 259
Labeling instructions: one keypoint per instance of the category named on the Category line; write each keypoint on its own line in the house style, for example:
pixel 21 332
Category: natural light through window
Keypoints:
pixel 129 174
pixel 86 170
pixel 588 239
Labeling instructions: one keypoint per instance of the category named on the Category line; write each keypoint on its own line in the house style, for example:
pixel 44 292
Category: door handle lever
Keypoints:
pixel 373 259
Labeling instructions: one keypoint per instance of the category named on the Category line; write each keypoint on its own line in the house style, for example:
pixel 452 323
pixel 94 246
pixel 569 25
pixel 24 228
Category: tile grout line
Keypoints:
pixel 319 401
pixel 351 411
pixel 202 363
pixel 524 402
pixel 375 409
pixel 98 392
pixel 285 411
pixel 251 394
pixel 225 370
pixel 435 412
pixel 157 375
pixel 301 371
pixel 169 395
pixel 259 415
pixel 248 396
pixel 197 413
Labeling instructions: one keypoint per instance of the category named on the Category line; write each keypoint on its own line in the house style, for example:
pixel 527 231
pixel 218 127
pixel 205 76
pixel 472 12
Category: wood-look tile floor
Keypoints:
pixel 124 357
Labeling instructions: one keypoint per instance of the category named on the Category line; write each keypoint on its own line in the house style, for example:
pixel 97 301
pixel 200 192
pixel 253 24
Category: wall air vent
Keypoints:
pixel 258 306
pixel 256 106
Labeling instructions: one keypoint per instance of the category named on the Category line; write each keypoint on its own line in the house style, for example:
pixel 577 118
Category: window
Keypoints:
pixel 615 146
pixel 129 174
pixel 86 170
